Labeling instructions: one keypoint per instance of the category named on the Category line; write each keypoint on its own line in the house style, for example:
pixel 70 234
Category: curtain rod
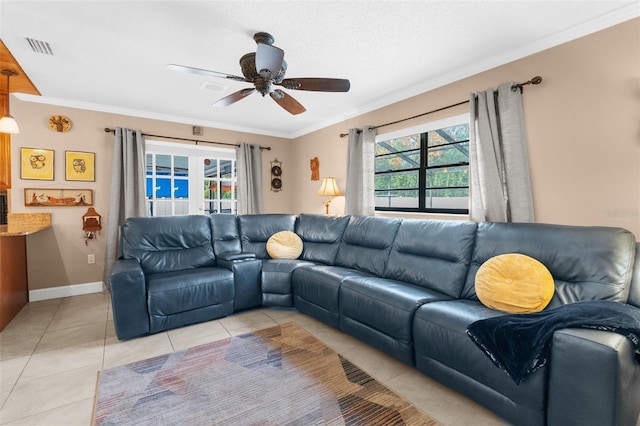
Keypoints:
pixel 197 141
pixel 535 80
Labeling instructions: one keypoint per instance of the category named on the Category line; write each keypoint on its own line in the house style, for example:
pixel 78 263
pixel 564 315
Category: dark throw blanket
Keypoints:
pixel 519 344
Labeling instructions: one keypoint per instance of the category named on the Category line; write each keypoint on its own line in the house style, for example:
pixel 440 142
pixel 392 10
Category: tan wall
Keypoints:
pixel 583 130
pixel 58 256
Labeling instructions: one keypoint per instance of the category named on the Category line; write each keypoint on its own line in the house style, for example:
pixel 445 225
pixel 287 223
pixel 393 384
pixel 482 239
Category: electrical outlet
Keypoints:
pixel 91 259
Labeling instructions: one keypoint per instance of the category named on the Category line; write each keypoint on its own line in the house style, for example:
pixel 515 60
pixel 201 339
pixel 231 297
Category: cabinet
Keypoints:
pixel 14 292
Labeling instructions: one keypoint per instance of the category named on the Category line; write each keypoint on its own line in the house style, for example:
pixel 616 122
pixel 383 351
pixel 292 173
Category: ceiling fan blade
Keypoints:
pixel 287 102
pixel 316 84
pixel 268 60
pixel 200 71
pixel 234 97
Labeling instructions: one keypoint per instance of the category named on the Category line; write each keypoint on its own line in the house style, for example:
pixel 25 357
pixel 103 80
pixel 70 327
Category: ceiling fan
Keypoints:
pixel 266 68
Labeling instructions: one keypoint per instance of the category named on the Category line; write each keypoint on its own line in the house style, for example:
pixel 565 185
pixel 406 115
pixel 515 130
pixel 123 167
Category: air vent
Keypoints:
pixel 213 87
pixel 39 46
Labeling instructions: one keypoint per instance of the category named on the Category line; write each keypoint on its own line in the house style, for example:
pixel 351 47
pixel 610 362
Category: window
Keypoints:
pixel 424 169
pixel 186 179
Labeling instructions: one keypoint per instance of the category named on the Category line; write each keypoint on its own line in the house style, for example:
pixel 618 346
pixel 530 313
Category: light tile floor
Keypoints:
pixel 51 352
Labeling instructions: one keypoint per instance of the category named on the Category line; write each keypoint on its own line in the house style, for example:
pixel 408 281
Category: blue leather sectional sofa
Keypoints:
pixel 405 287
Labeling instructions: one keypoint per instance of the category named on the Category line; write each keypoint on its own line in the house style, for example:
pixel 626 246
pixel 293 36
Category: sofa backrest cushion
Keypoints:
pixel 226 236
pixel 321 236
pixel 168 243
pixel 366 243
pixel 587 263
pixel 432 253
pixel 634 293
pixel 255 231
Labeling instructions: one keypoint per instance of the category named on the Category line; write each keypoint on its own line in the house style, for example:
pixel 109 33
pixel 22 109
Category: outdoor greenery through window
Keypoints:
pixel 183 179
pixel 424 171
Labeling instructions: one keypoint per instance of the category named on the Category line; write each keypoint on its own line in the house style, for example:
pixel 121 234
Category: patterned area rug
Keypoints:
pixel 281 375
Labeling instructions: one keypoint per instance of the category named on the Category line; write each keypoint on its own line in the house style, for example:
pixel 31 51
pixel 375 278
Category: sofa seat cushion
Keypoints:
pixel 380 312
pixel 174 292
pixel 316 288
pixel 276 281
pixel 441 344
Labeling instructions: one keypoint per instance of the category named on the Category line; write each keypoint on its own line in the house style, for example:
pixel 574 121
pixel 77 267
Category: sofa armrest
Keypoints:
pixel 247 276
pixel 129 299
pixel 230 257
pixel 593 380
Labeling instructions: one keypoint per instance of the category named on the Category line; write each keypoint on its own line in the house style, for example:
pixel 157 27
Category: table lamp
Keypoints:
pixel 330 189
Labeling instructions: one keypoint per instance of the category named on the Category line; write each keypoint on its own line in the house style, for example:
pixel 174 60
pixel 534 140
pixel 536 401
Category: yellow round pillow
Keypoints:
pixel 514 283
pixel 284 245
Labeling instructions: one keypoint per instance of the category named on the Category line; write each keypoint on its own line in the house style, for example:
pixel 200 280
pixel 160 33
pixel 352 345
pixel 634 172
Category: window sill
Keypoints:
pixel 435 216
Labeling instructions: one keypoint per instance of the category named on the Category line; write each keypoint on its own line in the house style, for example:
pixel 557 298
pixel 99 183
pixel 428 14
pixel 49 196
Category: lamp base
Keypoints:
pixel 326 206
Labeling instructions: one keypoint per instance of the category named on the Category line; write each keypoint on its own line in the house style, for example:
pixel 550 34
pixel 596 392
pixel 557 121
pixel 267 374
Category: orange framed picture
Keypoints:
pixel 52 197
pixel 80 166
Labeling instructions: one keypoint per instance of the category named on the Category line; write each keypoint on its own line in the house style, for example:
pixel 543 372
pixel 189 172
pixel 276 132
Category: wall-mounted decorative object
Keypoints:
pixel 59 123
pixel 276 175
pixel 36 163
pixel 48 197
pixel 314 164
pixel 91 224
pixel 80 166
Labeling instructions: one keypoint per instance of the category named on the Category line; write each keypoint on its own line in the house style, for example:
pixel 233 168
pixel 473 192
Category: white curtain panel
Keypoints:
pixel 499 163
pixel 359 195
pixel 127 198
pixel 249 166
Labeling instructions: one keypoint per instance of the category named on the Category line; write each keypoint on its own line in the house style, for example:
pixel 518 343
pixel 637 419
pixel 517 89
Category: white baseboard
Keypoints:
pixel 65 291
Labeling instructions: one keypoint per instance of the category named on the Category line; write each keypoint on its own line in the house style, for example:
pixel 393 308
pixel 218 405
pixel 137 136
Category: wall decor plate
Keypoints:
pixel 59 123
pixel 36 163
pixel 49 197
pixel 80 166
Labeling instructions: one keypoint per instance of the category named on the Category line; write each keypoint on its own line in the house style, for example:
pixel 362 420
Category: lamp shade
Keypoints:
pixel 329 187
pixel 269 58
pixel 8 125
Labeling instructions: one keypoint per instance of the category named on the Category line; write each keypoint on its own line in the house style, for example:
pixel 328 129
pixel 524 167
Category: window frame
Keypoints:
pixel 423 167
pixel 196 155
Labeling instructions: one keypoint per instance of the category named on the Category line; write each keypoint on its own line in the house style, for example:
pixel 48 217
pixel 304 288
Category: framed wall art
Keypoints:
pixel 36 163
pixel 49 197
pixel 80 166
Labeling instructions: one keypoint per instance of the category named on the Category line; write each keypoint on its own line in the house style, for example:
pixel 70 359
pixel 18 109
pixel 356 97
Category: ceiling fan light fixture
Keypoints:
pixel 268 60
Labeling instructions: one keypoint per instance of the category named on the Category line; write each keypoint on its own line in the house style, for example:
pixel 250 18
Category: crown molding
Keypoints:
pixel 130 112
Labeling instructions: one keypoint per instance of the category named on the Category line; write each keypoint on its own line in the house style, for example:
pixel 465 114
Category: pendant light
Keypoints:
pixel 8 124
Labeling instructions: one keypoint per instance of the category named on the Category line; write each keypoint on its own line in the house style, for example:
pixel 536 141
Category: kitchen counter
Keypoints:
pixel 18 230
pixel 25 224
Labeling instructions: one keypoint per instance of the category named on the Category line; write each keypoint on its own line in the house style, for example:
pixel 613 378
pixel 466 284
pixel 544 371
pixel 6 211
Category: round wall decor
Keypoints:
pixel 59 123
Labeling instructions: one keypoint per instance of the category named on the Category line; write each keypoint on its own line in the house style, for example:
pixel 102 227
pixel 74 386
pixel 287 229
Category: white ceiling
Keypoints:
pixel 112 55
